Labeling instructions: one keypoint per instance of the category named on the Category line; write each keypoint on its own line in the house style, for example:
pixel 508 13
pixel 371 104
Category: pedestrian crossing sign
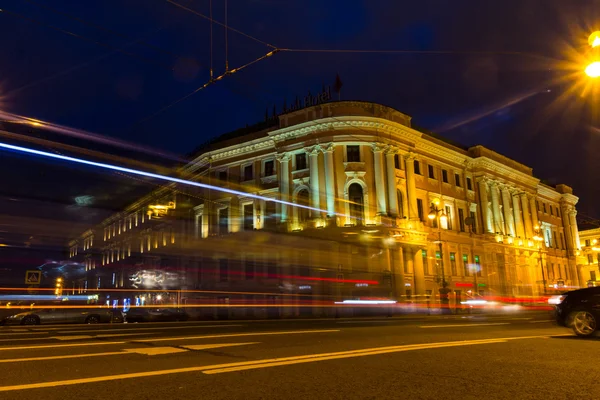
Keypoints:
pixel 33 277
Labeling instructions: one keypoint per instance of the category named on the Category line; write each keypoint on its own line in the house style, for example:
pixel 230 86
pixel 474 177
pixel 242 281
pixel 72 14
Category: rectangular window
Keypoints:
pixel 466 264
pixel 469 184
pixel 457 180
pixel 557 212
pixel 453 264
pixel 270 217
pixel 396 161
pixel 223 176
pixel 248 217
pixel 590 259
pixel 588 243
pixel 444 176
pixel 478 265
pixel 425 261
pixel 420 209
pixel 562 240
pixel 431 171
pixel 593 276
pixel 300 161
pixel 461 219
pixel 223 221
pixel 114 278
pixel 544 207
pixel 223 270
pixel 269 167
pixel 417 167
pixel 473 221
pixel 353 153
pixel 249 269
pixel 555 239
pixel 449 217
pixel 248 173
pixel 551 211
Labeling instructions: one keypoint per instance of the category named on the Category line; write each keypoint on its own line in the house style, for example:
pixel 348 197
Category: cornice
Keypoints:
pixel 498 171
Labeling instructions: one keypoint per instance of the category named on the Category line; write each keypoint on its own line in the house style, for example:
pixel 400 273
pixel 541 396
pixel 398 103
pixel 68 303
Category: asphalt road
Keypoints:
pixel 519 356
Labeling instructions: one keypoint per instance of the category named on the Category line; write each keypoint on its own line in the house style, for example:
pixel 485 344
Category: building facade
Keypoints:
pixel 336 201
pixel 589 260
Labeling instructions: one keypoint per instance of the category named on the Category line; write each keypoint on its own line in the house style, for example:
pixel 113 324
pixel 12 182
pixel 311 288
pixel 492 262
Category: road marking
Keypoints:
pixel 52 346
pixel 216 345
pixel 73 337
pixel 236 335
pixel 219 368
pixel 153 329
pixel 463 325
pixel 110 353
pixel 22 339
pixel 539 322
pixel 22 333
pixel 344 354
pixel 154 351
pixel 364 322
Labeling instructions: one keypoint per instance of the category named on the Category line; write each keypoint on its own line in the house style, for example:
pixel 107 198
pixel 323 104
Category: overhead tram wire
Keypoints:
pixel 228 27
pixel 100 27
pixel 205 85
pixel 87 39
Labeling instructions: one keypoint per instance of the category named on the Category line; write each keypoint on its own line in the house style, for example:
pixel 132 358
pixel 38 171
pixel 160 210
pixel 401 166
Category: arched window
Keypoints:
pixel 303 213
pixel 357 208
pixel 400 205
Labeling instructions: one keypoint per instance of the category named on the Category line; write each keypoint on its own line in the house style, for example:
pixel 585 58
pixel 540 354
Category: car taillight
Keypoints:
pixel 556 300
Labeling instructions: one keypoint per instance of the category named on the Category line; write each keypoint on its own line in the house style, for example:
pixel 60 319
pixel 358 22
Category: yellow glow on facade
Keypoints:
pixel 594 39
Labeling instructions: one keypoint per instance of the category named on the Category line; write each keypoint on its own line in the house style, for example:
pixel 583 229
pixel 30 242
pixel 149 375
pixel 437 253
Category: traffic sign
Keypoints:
pixel 33 277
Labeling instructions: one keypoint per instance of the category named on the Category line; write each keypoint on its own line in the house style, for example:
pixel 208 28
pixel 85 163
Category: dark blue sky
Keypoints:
pixel 70 80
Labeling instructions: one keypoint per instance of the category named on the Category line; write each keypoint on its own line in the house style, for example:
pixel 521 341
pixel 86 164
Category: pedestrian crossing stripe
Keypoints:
pixel 33 277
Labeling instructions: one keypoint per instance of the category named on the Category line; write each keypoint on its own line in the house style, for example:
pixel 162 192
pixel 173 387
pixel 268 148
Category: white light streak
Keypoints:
pixel 152 175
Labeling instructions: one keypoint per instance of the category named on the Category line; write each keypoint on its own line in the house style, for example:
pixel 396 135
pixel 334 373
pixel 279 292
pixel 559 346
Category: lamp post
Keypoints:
pixel 438 214
pixel 539 239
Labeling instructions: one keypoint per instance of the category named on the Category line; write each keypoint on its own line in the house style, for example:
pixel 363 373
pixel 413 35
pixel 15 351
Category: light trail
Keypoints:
pixel 152 175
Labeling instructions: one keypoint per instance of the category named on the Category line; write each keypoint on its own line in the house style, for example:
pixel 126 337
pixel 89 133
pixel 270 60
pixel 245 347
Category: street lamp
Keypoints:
pixel 539 239
pixel 438 213
pixel 593 69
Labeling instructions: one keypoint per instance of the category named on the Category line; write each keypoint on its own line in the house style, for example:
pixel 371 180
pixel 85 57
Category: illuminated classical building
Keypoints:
pixel 589 257
pixel 358 186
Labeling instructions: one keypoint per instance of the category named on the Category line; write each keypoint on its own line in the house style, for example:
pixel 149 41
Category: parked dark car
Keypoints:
pixel 143 314
pixel 578 310
pixel 64 316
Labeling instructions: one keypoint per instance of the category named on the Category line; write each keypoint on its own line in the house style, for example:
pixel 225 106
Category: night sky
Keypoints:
pixel 123 61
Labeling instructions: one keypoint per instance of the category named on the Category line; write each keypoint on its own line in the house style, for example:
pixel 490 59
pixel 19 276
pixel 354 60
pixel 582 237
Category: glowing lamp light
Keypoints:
pixel 594 39
pixel 593 70
pixel 444 218
pixel 431 216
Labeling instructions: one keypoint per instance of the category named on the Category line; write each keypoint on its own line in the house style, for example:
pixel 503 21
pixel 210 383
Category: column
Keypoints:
pixel 398 271
pixel 313 154
pixel 485 213
pixel 573 220
pixel 411 187
pixel 565 211
pixel 534 214
pixel 508 214
pixel 329 179
pixel 391 183
pixel 520 231
pixel 284 184
pixel 379 178
pixel 419 273
pixel 526 217
pixel 496 209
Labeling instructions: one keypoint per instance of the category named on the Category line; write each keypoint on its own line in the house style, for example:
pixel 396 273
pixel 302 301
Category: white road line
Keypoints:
pixel 153 329
pixel 463 325
pixel 52 346
pixel 220 368
pixel 365 322
pixel 236 335
pixel 155 351
pixel 216 345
